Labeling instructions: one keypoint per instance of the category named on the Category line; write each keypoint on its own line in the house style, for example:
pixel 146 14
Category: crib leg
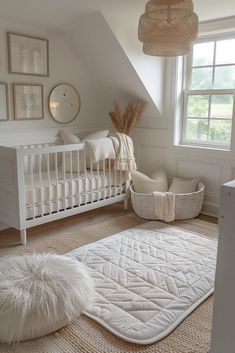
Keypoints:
pixel 126 201
pixel 23 236
pixel 127 196
pixel 126 204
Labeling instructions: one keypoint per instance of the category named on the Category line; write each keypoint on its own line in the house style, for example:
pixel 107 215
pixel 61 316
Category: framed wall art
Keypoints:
pixel 4 112
pixel 28 55
pixel 64 103
pixel 28 101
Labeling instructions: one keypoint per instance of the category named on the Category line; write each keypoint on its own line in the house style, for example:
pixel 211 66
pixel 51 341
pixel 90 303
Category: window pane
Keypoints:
pixel 222 106
pixel 225 52
pixel 196 129
pixel 220 131
pixel 225 77
pixel 202 78
pixel 198 106
pixel 203 54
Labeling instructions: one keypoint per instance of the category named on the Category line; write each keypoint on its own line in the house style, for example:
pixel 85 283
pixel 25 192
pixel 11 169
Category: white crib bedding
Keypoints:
pixel 74 185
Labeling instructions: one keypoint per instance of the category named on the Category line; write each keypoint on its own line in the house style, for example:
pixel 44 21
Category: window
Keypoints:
pixel 210 93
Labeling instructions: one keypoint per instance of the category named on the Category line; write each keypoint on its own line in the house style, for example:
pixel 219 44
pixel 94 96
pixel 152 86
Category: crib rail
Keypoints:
pixel 48 148
pixel 58 180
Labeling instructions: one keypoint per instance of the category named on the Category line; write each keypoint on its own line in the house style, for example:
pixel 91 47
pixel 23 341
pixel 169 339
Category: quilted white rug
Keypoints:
pixel 148 279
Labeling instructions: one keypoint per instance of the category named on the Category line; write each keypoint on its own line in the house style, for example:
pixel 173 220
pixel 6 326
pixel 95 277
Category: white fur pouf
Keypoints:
pixel 40 294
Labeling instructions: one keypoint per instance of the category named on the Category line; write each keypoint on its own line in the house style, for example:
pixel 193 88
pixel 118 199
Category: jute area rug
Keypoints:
pixel 87 336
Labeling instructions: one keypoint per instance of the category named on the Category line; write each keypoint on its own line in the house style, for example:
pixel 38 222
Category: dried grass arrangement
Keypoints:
pixel 126 121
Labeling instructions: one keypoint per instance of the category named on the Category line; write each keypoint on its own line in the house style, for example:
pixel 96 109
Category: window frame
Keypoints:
pixel 187 91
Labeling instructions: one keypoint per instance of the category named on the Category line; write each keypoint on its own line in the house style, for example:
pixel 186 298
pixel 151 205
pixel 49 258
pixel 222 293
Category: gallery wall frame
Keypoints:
pixel 28 101
pixel 4 102
pixel 27 55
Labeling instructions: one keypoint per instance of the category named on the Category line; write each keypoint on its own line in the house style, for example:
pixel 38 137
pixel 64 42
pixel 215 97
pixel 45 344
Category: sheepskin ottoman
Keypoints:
pixel 40 294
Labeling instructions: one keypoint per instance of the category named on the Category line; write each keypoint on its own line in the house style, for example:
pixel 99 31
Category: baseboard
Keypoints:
pixel 3 226
pixel 210 209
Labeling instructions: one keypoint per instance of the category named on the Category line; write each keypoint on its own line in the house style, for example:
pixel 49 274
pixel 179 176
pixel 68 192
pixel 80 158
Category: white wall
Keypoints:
pixel 93 38
pixel 65 66
pixel 150 69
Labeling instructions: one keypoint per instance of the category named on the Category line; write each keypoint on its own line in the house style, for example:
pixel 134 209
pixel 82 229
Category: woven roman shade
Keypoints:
pixel 168 27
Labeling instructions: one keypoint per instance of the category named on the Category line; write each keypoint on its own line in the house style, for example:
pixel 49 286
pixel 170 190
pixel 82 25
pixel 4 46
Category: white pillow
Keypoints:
pixel 100 149
pixel 96 135
pixel 145 185
pixel 68 139
pixel 161 176
pixel 183 185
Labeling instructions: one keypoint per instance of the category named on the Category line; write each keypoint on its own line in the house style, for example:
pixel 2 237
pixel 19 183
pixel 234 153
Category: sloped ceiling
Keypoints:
pixel 95 43
pixel 150 69
pixel 59 13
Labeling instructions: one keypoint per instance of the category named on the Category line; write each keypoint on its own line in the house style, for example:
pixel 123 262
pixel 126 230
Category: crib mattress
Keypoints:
pixel 74 185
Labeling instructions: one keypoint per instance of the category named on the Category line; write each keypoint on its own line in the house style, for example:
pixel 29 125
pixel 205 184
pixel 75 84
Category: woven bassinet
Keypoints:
pixel 187 206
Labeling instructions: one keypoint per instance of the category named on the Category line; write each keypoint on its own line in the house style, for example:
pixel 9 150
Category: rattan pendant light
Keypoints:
pixel 168 27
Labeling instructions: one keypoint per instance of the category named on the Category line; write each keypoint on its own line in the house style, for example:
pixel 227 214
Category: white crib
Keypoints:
pixel 43 183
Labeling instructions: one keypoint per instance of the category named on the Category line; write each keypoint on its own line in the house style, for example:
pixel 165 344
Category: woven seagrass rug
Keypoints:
pixel 87 336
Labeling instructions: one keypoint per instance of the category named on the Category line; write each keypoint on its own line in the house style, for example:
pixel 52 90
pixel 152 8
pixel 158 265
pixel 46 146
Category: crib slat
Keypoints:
pixel 71 177
pixel 40 182
pixel 85 176
pixel 78 176
pixel 57 181
pixel 115 182
pixel 104 176
pixel 110 178
pixel 98 180
pixel 49 181
pixel 120 182
pixel 31 165
pixel 28 165
pixel 92 181
pixel 64 179
pixel 127 184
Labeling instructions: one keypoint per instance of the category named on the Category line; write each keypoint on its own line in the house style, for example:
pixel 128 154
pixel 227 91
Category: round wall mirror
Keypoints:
pixel 64 103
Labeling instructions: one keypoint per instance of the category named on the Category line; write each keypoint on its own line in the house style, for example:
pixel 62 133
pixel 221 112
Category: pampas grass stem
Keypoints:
pixel 126 121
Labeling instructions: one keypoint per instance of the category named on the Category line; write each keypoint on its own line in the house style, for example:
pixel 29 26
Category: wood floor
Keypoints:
pixel 10 239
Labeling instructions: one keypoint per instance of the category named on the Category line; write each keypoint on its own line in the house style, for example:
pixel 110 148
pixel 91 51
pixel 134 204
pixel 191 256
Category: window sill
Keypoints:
pixel 201 152
pixel 204 147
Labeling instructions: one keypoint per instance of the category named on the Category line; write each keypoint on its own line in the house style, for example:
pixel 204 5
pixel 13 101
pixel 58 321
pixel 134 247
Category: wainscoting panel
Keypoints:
pixel 210 174
pixel 233 173
pixel 149 158
pixel 6 171
pixel 150 137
